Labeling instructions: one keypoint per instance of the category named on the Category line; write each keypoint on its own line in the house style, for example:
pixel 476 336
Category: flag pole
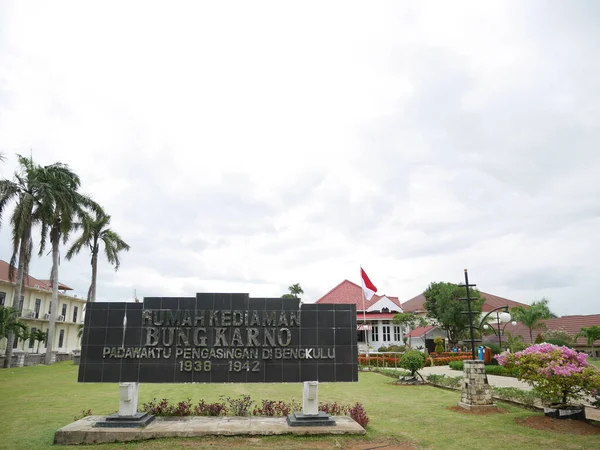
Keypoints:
pixel 365 321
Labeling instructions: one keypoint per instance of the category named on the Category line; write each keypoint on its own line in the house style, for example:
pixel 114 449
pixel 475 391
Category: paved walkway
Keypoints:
pixel 493 380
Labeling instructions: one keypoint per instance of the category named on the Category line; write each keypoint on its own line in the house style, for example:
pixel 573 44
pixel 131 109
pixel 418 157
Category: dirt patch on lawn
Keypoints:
pixel 562 426
pixel 477 412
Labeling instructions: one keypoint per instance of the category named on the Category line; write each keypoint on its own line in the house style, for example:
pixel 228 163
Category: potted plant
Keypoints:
pixel 561 375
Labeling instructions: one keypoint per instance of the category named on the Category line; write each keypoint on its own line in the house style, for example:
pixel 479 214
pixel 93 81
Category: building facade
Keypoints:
pixel 375 328
pixel 34 307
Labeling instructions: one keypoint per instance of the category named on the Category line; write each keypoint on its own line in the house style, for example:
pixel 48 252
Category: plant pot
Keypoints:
pixel 576 412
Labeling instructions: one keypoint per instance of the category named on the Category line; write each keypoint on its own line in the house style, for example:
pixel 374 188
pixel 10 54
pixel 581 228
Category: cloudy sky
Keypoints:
pixel 246 146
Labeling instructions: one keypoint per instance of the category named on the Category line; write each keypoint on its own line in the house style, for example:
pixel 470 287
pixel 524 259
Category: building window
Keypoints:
pixel 38 305
pixel 46 340
pixel 2 298
pixel 385 310
pixel 75 314
pixel 375 333
pixel 61 338
pixel 397 333
pixel 21 303
pixel 64 311
pixel 16 341
pixel 33 330
pixel 386 333
pixel 50 308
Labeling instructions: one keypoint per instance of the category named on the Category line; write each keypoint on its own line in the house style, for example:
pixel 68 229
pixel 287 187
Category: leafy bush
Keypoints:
pixel 161 408
pixel 456 365
pixel 272 408
pixel 559 335
pixel 560 374
pixel 239 406
pixel 494 347
pixel 413 360
pixel 242 406
pixel 84 413
pixel 439 344
pixel 210 409
pixel 516 395
pixel 443 380
pixel 502 371
pixel 558 342
pixel 359 415
pixel 334 408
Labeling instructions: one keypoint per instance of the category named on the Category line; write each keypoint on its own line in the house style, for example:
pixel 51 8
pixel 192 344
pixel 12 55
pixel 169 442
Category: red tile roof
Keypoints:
pixel 571 324
pixel 418 332
pixel 348 292
pixel 29 281
pixel 417 304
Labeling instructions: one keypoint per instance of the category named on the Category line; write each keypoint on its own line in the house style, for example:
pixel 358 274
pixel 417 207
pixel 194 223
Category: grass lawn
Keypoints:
pixel 594 361
pixel 36 401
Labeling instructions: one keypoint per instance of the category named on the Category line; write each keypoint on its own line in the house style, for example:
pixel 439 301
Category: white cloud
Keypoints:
pixel 248 146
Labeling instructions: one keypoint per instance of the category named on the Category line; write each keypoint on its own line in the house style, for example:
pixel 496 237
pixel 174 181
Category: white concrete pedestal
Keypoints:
pixel 310 398
pixel 128 399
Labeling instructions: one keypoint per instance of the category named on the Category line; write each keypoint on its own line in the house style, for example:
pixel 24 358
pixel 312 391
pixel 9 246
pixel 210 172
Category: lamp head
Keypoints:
pixel 504 317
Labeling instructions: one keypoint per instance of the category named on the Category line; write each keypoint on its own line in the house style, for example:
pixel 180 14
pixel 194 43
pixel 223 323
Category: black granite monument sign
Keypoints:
pixel 218 338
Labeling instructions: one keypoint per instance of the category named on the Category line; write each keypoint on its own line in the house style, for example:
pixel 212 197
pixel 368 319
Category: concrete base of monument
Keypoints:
pixel 310 420
pixel 84 430
pixel 469 406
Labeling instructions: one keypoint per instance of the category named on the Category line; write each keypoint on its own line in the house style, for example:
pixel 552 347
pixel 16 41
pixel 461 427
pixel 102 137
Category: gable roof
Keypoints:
pixel 417 304
pixel 420 331
pixel 351 293
pixel 570 324
pixel 28 280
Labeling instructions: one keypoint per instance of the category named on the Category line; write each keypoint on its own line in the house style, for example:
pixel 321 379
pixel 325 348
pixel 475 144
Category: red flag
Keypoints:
pixel 368 287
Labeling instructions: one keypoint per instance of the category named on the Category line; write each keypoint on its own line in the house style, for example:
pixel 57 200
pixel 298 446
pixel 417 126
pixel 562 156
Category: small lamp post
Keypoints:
pixel 503 317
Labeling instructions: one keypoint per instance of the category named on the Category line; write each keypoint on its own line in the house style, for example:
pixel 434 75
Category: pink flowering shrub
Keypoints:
pixel 560 374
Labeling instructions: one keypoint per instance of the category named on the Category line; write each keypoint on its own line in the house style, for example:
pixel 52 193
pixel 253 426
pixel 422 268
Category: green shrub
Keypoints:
pixel 456 365
pixel 443 380
pixel 439 344
pixel 558 341
pixel 413 360
pixel 494 347
pixel 500 370
pixel 527 398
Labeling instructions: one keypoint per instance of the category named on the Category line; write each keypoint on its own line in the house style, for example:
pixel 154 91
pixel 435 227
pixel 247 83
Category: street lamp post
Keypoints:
pixel 503 317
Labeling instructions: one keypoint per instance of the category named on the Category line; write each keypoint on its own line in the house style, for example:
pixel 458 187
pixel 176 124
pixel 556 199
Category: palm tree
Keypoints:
pixel 38 336
pixel 57 217
pixel 10 323
pixel 28 189
pixel 295 291
pixel 532 316
pixel 95 231
pixel 591 335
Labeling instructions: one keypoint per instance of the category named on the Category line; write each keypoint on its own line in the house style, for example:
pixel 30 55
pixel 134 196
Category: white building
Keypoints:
pixel 373 317
pixel 35 312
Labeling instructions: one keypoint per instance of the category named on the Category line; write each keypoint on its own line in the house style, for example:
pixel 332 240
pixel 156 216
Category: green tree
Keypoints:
pixel 58 216
pixel 408 320
pixel 38 336
pixel 532 316
pixel 295 291
pixel 442 301
pixel 10 323
pixel 28 189
pixel 591 334
pixel 94 232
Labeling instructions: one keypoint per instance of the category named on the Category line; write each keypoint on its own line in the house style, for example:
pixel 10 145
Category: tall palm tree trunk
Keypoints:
pixel 92 293
pixel 54 302
pixel 23 255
